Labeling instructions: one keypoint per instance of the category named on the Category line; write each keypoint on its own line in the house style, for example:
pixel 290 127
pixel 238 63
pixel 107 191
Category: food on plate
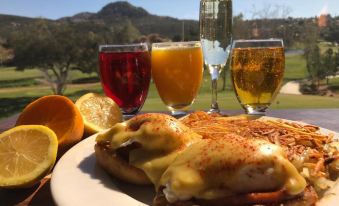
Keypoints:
pixel 205 159
pixel 140 149
pixel 220 170
pixel 315 155
pixel 57 113
pixel 27 154
pixel 99 112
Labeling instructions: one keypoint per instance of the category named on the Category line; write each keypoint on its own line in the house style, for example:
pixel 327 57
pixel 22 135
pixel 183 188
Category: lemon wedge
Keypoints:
pixel 27 154
pixel 98 112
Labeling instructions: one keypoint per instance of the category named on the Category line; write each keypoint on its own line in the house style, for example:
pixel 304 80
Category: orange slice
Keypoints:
pixel 57 113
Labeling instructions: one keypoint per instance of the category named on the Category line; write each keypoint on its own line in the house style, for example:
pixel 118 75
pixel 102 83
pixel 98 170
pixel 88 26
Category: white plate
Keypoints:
pixel 78 180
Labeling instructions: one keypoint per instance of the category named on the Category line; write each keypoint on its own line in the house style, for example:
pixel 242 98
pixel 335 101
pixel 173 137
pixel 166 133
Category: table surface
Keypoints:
pixel 41 193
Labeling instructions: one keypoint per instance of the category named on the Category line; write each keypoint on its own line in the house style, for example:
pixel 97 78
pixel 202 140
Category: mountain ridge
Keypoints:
pixel 116 12
pixel 115 15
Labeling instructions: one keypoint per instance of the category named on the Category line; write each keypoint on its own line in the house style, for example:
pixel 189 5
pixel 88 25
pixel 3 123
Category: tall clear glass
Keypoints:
pixel 216 37
pixel 125 73
pixel 177 70
pixel 257 69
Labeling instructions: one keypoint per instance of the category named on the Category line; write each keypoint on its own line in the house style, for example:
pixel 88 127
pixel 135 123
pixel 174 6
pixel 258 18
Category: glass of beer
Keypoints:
pixel 257 69
pixel 177 70
pixel 125 73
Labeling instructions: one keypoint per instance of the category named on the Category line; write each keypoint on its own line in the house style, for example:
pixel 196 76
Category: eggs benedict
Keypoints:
pixel 213 171
pixel 140 149
pixel 211 160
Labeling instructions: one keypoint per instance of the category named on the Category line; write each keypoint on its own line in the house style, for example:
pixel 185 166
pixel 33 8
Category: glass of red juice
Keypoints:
pixel 125 73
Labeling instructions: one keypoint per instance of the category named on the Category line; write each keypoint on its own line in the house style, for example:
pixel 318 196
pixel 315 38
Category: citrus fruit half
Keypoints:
pixel 57 113
pixel 27 154
pixel 98 112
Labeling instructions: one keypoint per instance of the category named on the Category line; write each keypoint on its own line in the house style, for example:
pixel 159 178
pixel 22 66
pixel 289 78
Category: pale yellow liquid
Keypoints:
pixel 177 73
pixel 257 74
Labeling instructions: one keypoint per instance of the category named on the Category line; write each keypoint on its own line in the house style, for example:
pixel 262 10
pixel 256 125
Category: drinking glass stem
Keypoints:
pixel 214 105
pixel 214 70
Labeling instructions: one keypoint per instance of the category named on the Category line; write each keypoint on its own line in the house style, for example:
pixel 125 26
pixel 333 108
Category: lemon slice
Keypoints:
pixel 98 112
pixel 27 154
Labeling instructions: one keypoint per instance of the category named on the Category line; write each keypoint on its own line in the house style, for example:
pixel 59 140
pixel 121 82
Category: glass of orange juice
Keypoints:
pixel 177 69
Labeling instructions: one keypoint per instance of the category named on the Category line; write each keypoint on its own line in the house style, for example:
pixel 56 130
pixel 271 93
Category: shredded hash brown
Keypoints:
pixel 311 152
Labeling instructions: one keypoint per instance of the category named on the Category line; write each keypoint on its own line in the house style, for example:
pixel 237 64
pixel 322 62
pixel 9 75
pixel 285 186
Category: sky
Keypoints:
pixel 183 9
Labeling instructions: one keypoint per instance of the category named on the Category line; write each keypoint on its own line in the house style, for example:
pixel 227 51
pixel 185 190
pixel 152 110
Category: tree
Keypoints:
pixel 151 38
pixel 330 32
pixel 55 49
pixel 271 12
pixel 5 53
pixel 336 61
pixel 267 21
pixel 329 64
pixel 240 27
pixel 313 64
pixel 128 33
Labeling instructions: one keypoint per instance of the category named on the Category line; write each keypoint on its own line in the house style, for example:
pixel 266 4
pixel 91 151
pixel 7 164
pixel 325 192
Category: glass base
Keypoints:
pixel 259 110
pixel 214 108
pixel 213 111
pixel 126 117
pixel 178 113
pixel 129 113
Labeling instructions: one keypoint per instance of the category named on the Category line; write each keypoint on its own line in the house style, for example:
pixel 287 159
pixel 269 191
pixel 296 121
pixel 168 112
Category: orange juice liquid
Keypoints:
pixel 177 73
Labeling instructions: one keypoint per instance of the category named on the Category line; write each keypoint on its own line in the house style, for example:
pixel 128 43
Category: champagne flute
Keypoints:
pixel 125 73
pixel 215 36
pixel 257 69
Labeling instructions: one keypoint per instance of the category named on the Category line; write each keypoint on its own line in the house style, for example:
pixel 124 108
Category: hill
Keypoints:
pixel 118 13
pixel 9 23
pixel 115 15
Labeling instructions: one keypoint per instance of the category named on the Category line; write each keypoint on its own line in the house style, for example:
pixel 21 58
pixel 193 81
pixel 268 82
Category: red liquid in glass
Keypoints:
pixel 125 77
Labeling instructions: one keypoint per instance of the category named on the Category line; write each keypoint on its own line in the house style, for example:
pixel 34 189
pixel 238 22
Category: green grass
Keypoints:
pixel 228 101
pixel 9 73
pixel 19 82
pixel 13 100
pixel 17 89
pixel 334 81
pixel 326 45
pixel 286 101
pixel 9 77
pixel 295 68
pixel 334 84
pixel 38 91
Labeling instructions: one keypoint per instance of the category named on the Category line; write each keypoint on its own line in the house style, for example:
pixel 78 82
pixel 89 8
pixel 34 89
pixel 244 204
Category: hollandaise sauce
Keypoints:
pixel 162 139
pixel 216 168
